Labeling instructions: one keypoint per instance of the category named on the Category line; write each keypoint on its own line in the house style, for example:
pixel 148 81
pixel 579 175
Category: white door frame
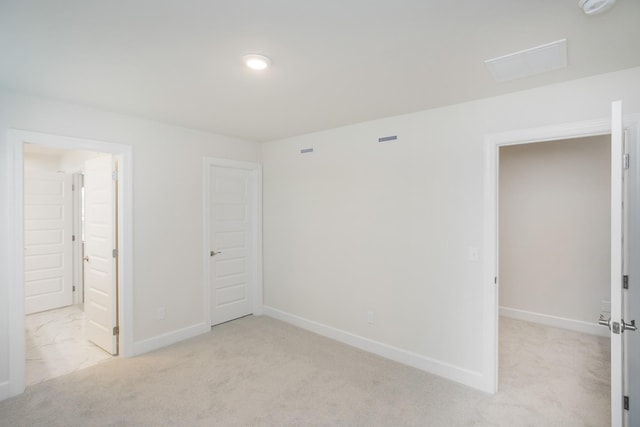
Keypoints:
pixel 493 143
pixel 14 229
pixel 256 269
pixel 78 279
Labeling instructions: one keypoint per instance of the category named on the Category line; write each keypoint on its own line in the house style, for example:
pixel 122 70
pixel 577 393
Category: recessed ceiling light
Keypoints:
pixel 593 7
pixel 256 62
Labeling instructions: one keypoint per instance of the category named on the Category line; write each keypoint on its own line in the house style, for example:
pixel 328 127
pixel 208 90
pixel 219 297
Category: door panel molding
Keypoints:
pixel 48 246
pixel 13 229
pixel 256 269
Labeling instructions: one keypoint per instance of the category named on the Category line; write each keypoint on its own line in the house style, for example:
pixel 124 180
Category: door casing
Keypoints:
pixel 256 268
pixel 14 231
pixel 493 143
pixel 78 295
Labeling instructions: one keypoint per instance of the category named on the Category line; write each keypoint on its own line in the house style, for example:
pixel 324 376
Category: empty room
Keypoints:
pixel 319 213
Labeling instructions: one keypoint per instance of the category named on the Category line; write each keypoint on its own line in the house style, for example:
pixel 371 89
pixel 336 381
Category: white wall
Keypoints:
pixel 360 226
pixel 167 205
pixel 56 160
pixel 40 162
pixel 73 161
pixel 555 230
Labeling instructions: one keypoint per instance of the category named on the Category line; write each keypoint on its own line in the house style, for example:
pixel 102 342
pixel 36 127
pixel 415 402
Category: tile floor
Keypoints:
pixel 55 344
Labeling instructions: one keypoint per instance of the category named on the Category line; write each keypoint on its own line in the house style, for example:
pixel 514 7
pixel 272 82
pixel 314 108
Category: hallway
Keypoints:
pixel 55 344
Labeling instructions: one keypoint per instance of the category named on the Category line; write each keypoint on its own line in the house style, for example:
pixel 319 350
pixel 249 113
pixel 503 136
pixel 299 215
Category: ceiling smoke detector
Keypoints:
pixel 593 7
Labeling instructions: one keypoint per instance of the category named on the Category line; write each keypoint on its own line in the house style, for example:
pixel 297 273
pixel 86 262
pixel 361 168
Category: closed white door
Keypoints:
pixel 232 202
pixel 100 274
pixel 47 241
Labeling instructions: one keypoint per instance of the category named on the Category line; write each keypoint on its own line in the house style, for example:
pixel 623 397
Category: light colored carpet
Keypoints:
pixel 258 371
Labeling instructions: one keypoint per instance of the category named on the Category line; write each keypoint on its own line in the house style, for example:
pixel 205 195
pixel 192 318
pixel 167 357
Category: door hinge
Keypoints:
pixel 73 237
pixel 73 187
pixel 625 282
pixel 626 403
pixel 625 160
pixel 495 280
pixel 115 253
pixel 116 330
pixel 114 175
pixel 73 288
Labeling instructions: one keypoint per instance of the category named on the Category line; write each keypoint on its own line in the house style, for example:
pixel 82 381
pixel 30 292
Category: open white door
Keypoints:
pixel 47 241
pixel 615 322
pixel 632 272
pixel 100 274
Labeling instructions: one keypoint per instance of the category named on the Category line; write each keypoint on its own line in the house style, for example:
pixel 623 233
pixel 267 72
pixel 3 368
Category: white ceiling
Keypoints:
pixel 335 62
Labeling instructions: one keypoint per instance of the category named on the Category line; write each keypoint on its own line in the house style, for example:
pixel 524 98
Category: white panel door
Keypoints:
pixel 616 324
pixel 47 241
pixel 632 267
pixel 232 208
pixel 100 290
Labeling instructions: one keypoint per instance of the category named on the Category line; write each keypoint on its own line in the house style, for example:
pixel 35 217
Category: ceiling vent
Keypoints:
pixel 529 62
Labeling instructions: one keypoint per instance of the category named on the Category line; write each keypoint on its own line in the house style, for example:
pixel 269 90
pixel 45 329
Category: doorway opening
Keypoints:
pixel 120 247
pixel 58 330
pixel 554 263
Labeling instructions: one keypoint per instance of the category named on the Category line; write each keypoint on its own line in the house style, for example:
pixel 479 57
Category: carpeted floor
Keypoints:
pixel 258 371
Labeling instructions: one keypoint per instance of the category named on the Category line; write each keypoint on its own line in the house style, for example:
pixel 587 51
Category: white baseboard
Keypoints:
pixel 4 391
pixel 446 370
pixel 169 338
pixel 558 322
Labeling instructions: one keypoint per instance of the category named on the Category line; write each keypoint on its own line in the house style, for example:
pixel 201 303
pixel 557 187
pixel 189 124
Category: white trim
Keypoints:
pixel 15 226
pixel 15 234
pixel 490 272
pixel 206 232
pixel 169 338
pixel 256 169
pixel 418 361
pixel 617 237
pixel 493 142
pixel 555 321
pixel 78 279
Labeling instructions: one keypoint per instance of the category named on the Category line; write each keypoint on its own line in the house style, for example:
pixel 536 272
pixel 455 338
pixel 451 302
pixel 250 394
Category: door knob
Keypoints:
pixel 617 327
pixel 86 258
pixel 604 322
pixel 214 253
pixel 631 326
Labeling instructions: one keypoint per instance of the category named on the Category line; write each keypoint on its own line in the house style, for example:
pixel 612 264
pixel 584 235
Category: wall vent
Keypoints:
pixel 387 138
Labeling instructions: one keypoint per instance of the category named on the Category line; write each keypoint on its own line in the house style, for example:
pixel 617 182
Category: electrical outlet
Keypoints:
pixel 161 313
pixel 370 317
